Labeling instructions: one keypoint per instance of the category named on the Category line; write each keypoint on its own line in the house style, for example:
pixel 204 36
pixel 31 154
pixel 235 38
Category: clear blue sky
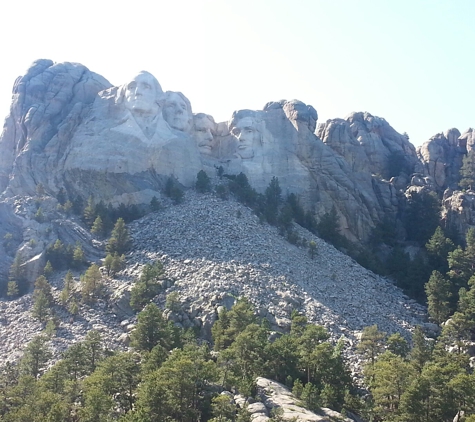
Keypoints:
pixel 409 61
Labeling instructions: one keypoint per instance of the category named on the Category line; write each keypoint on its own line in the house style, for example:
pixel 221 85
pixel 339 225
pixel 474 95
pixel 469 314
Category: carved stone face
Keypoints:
pixel 203 129
pixel 248 137
pixel 141 95
pixel 175 112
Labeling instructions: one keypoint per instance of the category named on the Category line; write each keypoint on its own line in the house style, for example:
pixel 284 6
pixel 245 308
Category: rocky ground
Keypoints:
pixel 215 251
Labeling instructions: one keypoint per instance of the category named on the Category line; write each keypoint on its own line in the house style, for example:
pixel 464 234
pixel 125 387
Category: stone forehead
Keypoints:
pixel 203 118
pixel 143 74
pixel 242 114
pixel 170 94
pixel 245 121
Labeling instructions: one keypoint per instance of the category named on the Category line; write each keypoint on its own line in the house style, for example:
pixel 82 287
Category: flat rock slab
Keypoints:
pixel 275 395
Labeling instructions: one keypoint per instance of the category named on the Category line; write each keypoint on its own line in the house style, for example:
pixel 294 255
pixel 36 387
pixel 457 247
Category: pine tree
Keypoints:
pixel 39 216
pixel 147 286
pixel 273 198
pixel 371 344
pixel 151 330
pixel 35 356
pixel 12 289
pixel 98 227
pixel 397 345
pixel 438 248
pixel 18 274
pixel 438 295
pixel 92 349
pixel 61 196
pixel 308 345
pixel 118 263
pixel 66 292
pixel 328 227
pixel 91 284
pixel 78 256
pixel 203 182
pixel 119 241
pixel 390 378
pixel 223 409
pixel 41 307
pixel 312 249
pixel 173 190
pixel 154 204
pixel 48 270
pixel 421 352
pixel 42 284
pixel 462 261
pixel 40 189
pixel 73 308
pixel 108 263
pixel 89 213
pixel 421 216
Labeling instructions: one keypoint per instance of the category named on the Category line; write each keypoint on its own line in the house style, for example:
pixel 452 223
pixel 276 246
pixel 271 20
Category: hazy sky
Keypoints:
pixel 409 61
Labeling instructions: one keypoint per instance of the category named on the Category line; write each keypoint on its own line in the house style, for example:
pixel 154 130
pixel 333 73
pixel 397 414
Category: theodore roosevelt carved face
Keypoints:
pixel 204 128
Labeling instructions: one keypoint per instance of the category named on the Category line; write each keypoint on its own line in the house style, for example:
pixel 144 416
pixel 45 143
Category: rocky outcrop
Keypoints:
pixel 276 396
pixel 458 210
pixel 70 129
pixel 210 260
pixel 370 145
pixel 442 156
pixel 47 102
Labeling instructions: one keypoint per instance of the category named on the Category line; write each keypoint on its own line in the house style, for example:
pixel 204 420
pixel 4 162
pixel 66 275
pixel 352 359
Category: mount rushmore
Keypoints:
pixel 70 130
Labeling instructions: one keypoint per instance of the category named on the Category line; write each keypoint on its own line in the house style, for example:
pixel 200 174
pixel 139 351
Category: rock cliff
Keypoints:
pixel 69 131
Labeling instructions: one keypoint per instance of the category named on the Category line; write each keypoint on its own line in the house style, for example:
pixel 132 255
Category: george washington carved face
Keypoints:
pixel 140 95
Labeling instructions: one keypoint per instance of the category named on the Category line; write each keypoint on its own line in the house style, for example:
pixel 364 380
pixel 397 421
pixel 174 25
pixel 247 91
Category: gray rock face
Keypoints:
pixel 458 210
pixel 70 129
pixel 442 157
pixel 46 103
pixel 330 170
pixel 275 395
pixel 213 249
pixel 209 259
pixel 369 144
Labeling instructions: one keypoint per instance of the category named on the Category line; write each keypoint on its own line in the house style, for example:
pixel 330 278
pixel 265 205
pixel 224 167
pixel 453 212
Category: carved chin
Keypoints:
pixel 245 153
pixel 178 123
pixel 141 107
pixel 205 149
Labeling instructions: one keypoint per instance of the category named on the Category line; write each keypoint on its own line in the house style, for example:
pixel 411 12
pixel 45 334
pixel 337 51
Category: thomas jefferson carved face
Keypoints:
pixel 248 137
pixel 203 130
pixel 141 95
pixel 177 111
